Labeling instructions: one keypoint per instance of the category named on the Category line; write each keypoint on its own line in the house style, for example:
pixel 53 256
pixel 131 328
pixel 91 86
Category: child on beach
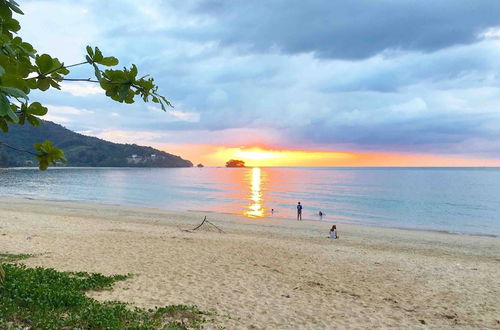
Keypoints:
pixel 333 232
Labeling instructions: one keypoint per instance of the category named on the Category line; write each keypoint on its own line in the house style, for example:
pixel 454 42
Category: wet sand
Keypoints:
pixel 266 273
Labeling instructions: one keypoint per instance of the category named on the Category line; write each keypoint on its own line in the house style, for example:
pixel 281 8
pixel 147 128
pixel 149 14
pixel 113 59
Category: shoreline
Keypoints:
pixel 424 230
pixel 265 273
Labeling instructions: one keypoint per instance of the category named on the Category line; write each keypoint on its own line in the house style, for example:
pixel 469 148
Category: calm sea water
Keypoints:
pixel 459 200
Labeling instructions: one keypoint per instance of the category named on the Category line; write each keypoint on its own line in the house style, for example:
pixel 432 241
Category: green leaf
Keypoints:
pixel 5 11
pixel 16 81
pixel 4 104
pixel 14 92
pixel 43 84
pixel 3 125
pixel 49 154
pixel 108 61
pixel 116 76
pixel 90 52
pixel 15 7
pixel 11 24
pixel 13 117
pixel 98 55
pixel 54 84
pixel 123 91
pixel 44 62
pixel 36 108
pixel 34 121
pixel 133 72
pixel 31 83
pixel 97 72
pixel 105 85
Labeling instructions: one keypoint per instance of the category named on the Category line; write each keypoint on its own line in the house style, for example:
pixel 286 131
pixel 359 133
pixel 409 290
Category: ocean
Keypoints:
pixel 455 200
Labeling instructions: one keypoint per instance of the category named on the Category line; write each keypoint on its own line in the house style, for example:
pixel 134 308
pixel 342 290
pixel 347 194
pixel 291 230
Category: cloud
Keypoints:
pixel 355 29
pixel 57 119
pixel 81 89
pixel 67 27
pixel 67 110
pixel 380 75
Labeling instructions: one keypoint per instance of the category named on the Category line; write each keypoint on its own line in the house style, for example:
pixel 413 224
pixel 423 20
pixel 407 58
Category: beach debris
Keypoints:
pixel 422 321
pixel 205 221
pixel 450 316
pixel 313 283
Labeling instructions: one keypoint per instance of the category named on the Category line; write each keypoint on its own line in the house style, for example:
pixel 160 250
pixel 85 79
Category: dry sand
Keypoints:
pixel 266 273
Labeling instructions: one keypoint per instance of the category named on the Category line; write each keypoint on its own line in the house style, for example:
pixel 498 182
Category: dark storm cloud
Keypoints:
pixel 354 29
pixel 430 133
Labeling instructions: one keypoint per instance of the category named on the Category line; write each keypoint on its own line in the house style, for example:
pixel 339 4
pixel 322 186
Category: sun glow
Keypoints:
pixel 255 157
pixel 213 155
pixel 255 154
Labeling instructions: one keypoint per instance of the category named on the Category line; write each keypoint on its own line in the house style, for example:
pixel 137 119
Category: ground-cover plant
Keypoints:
pixel 7 257
pixel 44 298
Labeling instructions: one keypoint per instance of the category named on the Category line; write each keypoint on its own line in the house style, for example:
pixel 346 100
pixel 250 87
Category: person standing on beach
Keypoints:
pixel 299 211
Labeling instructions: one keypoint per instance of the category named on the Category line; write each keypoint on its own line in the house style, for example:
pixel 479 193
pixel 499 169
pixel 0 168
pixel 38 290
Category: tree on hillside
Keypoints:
pixel 235 163
pixel 23 70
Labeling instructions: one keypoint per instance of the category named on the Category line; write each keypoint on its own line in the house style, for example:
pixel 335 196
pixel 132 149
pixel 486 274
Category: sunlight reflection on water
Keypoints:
pixel 255 209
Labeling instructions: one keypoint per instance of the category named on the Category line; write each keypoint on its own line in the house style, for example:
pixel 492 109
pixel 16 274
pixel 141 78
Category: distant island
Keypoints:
pixel 235 163
pixel 81 150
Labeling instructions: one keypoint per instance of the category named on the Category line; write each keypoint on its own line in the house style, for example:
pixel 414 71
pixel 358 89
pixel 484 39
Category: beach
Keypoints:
pixel 265 273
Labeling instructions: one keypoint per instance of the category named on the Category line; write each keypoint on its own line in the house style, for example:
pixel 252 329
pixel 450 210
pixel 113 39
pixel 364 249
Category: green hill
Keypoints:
pixel 81 150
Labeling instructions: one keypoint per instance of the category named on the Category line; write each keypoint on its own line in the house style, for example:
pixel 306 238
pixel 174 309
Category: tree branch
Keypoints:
pixel 80 79
pixel 17 149
pixel 72 65
pixel 65 67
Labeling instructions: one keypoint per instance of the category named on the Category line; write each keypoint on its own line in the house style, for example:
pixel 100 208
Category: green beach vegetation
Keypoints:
pixel 44 298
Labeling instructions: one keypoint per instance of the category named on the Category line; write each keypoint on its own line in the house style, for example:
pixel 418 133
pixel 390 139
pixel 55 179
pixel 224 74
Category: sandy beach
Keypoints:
pixel 266 273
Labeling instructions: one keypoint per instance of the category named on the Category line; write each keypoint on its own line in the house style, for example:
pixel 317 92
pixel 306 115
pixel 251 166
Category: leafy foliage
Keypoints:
pixel 48 154
pixel 235 163
pixel 23 70
pixel 7 257
pixel 43 298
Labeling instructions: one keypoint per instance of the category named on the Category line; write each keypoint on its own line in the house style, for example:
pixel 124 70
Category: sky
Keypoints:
pixel 287 83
